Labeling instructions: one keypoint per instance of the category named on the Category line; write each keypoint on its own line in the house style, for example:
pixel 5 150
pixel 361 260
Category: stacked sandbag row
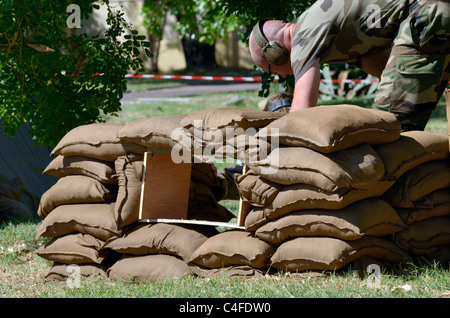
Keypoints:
pixel 168 250
pixel 199 133
pixel 318 198
pixel 92 211
pixel 419 163
pixel 79 211
pixel 421 196
pixel 96 198
pixel 215 131
pixel 155 251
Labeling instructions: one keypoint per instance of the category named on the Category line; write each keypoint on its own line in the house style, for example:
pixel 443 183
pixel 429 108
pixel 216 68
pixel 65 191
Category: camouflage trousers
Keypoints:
pixel 418 69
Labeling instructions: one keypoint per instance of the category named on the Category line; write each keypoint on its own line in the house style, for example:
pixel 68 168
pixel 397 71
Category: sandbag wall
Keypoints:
pixel 96 198
pixel 79 212
pixel 324 199
pixel 91 213
pixel 421 196
pixel 329 195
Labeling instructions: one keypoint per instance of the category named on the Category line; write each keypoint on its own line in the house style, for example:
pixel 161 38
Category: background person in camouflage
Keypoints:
pixel 405 43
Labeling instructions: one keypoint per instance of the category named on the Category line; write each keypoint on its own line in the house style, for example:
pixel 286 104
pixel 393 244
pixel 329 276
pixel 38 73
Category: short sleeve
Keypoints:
pixel 313 34
pixel 344 31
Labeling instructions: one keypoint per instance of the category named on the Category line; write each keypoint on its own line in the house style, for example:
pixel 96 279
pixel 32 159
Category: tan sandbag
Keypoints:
pixel 97 140
pixel 100 170
pixel 447 102
pixel 152 132
pixel 126 210
pixel 75 189
pixel 245 147
pixel 151 268
pixel 212 129
pixel 425 234
pixel 302 196
pixel 228 271
pixel 439 254
pixel 232 247
pixel 372 217
pixel 221 118
pixel 437 203
pixel 358 167
pixel 412 149
pixel 255 218
pixel 255 189
pixel 96 219
pixel 137 161
pixel 62 272
pixel 160 238
pixel 74 248
pixel 332 128
pixel 327 253
pixel 416 183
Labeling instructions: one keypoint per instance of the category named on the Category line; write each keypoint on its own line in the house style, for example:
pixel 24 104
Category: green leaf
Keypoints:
pixel 32 88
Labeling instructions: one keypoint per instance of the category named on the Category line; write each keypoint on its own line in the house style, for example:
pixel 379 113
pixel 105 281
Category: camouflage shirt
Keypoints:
pixel 344 31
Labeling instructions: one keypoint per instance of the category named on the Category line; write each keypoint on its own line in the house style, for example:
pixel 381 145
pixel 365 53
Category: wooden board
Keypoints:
pixel 244 207
pixel 196 222
pixel 447 101
pixel 165 187
pixel 165 193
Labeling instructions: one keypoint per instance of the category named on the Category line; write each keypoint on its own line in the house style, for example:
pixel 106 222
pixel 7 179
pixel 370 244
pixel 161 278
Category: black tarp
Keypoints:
pixel 21 159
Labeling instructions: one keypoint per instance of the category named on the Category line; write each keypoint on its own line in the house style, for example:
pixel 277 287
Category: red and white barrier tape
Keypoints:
pixel 367 81
pixel 227 78
pixel 195 77
pixel 233 78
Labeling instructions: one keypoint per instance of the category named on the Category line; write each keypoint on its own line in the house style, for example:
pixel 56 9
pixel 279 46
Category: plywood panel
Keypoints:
pixel 165 193
pixel 165 187
pixel 244 206
pixel 447 101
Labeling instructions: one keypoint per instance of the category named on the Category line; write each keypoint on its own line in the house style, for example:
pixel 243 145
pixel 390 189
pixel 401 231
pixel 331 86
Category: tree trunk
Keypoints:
pixel 153 62
pixel 198 55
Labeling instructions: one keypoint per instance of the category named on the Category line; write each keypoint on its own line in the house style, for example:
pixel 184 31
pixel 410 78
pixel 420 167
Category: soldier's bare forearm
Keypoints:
pixel 306 92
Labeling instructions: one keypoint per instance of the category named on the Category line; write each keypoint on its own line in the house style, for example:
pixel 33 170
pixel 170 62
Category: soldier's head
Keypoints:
pixel 270 46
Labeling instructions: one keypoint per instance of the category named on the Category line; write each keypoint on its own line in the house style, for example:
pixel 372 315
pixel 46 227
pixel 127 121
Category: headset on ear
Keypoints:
pixel 274 52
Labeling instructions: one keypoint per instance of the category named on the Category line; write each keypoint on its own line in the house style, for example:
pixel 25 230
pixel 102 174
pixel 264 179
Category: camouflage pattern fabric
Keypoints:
pixel 418 69
pixel 347 31
pixel 336 31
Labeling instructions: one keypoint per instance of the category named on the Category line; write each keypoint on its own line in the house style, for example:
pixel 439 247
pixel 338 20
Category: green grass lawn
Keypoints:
pixel 249 99
pixel 22 272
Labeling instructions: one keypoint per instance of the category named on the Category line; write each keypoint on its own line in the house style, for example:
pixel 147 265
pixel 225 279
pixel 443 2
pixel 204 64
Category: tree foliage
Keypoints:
pixel 199 24
pixel 46 69
pixel 250 14
pixel 201 20
pixel 209 20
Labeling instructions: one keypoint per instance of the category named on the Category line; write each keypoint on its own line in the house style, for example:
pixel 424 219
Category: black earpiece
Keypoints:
pixel 285 102
pixel 274 52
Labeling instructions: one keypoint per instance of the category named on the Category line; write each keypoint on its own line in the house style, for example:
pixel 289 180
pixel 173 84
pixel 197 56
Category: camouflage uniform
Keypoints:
pixel 416 33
